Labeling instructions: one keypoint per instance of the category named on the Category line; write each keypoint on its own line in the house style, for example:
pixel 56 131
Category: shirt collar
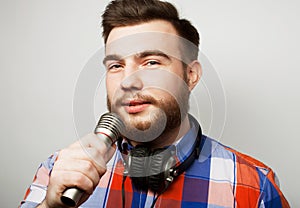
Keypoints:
pixel 184 146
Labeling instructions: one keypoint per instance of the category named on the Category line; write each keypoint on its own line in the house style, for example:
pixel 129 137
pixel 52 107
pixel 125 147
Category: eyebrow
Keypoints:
pixel 143 54
pixel 153 53
pixel 112 57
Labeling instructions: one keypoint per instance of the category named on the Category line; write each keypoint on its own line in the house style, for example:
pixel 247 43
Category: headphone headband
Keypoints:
pixel 176 171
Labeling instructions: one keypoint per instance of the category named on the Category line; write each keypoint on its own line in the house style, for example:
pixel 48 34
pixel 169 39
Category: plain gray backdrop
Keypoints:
pixel 253 45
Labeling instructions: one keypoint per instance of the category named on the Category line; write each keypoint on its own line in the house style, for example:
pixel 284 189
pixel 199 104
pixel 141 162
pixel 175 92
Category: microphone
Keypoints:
pixel 108 130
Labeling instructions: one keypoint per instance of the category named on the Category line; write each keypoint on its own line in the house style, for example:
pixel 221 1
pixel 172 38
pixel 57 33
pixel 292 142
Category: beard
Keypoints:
pixel 167 115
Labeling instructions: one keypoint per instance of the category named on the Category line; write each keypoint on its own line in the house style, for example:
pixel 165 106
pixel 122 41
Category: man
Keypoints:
pixel 162 157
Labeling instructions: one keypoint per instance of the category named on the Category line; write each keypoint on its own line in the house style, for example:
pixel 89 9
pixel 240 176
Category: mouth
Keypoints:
pixel 135 106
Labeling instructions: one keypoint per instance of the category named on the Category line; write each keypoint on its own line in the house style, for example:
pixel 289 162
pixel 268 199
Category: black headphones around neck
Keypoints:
pixel 156 169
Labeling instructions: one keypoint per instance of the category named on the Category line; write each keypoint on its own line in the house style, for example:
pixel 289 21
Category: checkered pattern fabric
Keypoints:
pixel 220 177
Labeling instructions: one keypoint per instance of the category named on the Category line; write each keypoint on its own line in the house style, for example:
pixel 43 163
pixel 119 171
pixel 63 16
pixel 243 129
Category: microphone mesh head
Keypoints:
pixel 110 122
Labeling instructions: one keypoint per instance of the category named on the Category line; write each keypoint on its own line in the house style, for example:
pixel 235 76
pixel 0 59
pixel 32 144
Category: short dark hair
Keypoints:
pixel 120 13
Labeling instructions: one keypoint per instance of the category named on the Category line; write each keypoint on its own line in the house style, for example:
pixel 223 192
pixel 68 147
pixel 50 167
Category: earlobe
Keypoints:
pixel 194 73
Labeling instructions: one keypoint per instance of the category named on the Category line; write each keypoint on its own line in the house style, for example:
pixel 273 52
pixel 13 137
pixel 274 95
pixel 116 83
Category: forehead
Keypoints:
pixel 155 35
pixel 160 26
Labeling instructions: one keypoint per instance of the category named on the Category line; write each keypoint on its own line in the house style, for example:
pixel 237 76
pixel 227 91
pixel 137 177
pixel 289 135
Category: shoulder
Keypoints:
pixel 223 167
pixel 223 163
pixel 247 161
pixel 214 150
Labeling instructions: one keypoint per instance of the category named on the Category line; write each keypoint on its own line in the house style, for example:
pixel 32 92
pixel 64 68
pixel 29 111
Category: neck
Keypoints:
pixel 168 137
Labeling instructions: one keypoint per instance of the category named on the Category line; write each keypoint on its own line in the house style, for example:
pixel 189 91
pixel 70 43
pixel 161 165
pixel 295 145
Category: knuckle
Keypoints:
pixel 94 155
pixel 79 179
pixel 62 154
pixel 88 166
pixel 83 182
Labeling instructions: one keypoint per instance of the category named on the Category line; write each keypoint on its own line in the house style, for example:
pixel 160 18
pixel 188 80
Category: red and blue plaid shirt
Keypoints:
pixel 220 177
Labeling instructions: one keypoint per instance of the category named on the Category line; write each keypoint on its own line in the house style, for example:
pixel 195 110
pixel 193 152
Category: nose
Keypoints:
pixel 132 81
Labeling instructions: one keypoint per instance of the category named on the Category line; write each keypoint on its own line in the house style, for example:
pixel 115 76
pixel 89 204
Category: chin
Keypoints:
pixel 144 127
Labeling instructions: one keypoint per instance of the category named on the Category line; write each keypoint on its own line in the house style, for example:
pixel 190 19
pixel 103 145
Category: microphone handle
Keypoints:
pixel 71 196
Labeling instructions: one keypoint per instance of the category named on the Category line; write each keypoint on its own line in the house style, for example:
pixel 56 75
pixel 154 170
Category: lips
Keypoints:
pixel 135 106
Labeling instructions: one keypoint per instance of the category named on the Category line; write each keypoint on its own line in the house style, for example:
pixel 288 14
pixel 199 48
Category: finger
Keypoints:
pixel 96 141
pixel 83 166
pixel 93 141
pixel 98 159
pixel 56 188
pixel 90 140
pixel 72 179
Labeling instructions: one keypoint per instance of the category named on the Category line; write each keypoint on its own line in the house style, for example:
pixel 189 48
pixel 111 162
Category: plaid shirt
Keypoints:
pixel 220 177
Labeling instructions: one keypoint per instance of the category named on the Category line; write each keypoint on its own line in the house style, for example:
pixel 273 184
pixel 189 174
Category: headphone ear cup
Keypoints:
pixel 158 161
pixel 138 164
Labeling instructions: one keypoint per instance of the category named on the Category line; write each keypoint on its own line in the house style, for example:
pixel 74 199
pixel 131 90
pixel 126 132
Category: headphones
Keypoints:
pixel 156 169
pixel 150 169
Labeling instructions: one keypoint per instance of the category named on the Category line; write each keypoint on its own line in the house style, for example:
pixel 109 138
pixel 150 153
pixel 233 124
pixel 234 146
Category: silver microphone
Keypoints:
pixel 108 129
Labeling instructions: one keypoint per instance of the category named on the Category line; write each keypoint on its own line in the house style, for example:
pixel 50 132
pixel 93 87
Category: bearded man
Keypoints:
pixel 161 158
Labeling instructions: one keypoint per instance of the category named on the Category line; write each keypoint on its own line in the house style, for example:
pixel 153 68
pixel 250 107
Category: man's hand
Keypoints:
pixel 80 165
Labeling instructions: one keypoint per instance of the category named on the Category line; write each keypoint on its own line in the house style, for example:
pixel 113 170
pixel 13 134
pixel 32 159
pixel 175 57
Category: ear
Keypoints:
pixel 194 73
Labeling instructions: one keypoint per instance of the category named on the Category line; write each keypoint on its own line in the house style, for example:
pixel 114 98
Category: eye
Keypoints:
pixel 152 63
pixel 114 67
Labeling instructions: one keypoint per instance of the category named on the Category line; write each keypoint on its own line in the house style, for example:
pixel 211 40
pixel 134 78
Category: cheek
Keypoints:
pixel 113 81
pixel 111 87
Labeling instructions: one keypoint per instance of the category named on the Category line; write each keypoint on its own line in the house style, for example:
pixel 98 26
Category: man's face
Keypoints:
pixel 145 79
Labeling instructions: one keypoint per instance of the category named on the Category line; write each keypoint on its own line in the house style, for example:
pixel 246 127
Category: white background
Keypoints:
pixel 254 46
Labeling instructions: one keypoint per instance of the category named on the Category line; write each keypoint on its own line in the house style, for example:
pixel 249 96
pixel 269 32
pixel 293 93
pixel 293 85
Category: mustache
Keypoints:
pixel 136 96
